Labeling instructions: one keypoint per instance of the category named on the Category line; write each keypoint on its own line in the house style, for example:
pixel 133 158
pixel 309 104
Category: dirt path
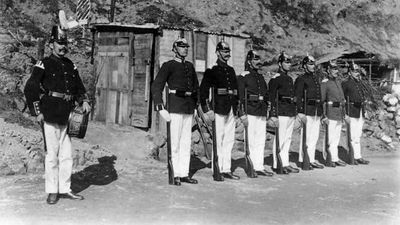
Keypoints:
pixel 141 195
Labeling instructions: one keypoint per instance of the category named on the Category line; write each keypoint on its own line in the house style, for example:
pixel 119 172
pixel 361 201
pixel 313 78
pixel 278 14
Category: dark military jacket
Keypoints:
pixel 181 79
pixel 352 89
pixel 283 85
pixel 333 98
pixel 311 83
pixel 257 93
pixel 221 77
pixel 54 74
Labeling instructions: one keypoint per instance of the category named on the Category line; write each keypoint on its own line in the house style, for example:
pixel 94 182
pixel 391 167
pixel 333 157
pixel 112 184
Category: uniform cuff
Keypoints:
pixel 159 107
pixel 36 108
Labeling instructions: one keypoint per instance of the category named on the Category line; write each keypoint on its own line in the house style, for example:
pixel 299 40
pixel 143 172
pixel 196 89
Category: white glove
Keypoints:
pixel 209 116
pixel 165 115
pixel 274 121
pixel 86 107
pixel 244 120
pixel 302 117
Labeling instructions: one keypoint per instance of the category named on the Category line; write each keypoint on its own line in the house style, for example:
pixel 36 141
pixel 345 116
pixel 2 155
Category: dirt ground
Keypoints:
pixel 141 195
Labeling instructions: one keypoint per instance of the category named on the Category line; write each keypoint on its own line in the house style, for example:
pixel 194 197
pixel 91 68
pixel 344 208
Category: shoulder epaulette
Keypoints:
pixel 324 80
pixel 276 75
pixel 75 68
pixel 244 73
pixel 39 64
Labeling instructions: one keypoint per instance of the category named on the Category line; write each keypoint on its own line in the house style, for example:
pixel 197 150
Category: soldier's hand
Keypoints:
pixel 244 120
pixel 324 120
pixel 274 121
pixel 40 118
pixel 209 116
pixel 302 117
pixel 347 119
pixel 165 115
pixel 86 107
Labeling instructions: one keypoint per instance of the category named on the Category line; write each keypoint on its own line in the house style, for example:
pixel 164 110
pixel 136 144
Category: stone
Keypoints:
pixel 5 170
pixel 386 139
pixel 391 109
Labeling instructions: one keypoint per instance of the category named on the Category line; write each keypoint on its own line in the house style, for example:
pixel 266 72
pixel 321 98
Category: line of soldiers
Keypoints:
pixel 309 99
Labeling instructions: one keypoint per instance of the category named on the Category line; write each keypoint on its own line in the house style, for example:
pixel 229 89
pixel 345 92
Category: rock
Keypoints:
pixel 5 169
pixel 391 109
pixel 36 163
pixel 398 132
pixel 386 139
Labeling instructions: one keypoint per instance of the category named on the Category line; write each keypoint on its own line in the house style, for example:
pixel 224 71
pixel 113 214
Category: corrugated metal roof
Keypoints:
pixel 154 27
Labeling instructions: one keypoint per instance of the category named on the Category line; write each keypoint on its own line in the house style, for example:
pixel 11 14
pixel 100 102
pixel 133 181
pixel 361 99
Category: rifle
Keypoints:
pixel 279 167
pixel 216 173
pixel 44 135
pixel 249 164
pixel 328 160
pixel 351 151
pixel 200 123
pixel 170 166
pixel 306 158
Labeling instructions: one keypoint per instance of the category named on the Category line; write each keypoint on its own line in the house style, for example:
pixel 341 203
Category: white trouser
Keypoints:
pixel 181 133
pixel 225 129
pixel 58 162
pixel 312 125
pixel 334 130
pixel 285 139
pixel 356 125
pixel 257 133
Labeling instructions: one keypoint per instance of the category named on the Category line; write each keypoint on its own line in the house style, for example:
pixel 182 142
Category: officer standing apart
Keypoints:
pixel 223 78
pixel 355 116
pixel 257 109
pixel 183 86
pixel 334 102
pixel 282 84
pixel 57 80
pixel 311 83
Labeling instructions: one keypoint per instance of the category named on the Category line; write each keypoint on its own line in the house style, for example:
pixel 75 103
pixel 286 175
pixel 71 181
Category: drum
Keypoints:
pixel 77 122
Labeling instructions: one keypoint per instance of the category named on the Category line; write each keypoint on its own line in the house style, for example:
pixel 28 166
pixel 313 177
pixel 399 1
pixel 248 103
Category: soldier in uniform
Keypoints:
pixel 311 83
pixel 334 104
pixel 257 109
pixel 355 115
pixel 183 86
pixel 51 92
pixel 281 88
pixel 223 78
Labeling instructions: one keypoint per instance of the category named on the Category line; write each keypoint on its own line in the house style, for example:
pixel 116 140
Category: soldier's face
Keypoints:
pixel 355 73
pixel 182 51
pixel 224 55
pixel 286 65
pixel 60 49
pixel 334 72
pixel 255 63
pixel 310 67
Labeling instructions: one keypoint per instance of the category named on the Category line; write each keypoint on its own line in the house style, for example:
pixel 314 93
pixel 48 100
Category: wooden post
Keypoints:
pixel 370 72
pixel 40 50
pixel 112 11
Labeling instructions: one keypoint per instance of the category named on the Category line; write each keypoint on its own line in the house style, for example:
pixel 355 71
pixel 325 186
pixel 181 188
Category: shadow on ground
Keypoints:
pixel 102 173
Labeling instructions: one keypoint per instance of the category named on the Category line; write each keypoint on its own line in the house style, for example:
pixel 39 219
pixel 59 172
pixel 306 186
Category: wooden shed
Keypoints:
pixel 128 57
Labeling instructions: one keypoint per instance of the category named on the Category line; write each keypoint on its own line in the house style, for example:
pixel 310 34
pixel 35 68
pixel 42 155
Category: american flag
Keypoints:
pixel 83 10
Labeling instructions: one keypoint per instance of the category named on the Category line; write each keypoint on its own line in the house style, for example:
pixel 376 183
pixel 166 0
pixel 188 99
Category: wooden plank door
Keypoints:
pixel 113 89
pixel 142 49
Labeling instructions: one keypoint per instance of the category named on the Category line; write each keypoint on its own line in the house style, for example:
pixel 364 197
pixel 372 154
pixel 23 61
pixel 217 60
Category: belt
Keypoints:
pixel 357 104
pixel 181 93
pixel 225 91
pixel 313 101
pixel 60 95
pixel 287 99
pixel 336 104
pixel 255 98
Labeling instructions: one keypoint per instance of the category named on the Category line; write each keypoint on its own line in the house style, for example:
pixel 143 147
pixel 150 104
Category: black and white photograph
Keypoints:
pixel 199 112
